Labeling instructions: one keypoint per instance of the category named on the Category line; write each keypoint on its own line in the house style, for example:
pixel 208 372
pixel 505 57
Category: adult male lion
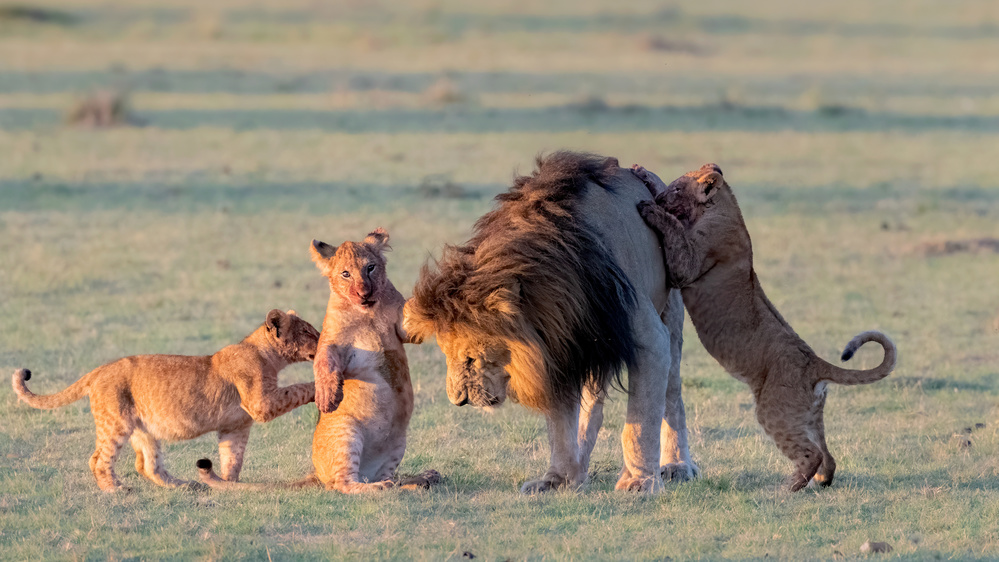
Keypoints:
pixel 561 286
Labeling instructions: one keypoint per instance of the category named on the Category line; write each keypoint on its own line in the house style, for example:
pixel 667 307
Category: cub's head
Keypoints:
pixel 356 270
pixel 688 196
pixel 294 338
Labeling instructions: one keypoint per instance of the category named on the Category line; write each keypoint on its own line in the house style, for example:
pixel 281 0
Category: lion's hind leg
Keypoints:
pixel 677 465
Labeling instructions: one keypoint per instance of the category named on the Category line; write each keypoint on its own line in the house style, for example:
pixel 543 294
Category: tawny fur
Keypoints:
pixel 560 288
pixel 709 255
pixel 363 389
pixel 146 398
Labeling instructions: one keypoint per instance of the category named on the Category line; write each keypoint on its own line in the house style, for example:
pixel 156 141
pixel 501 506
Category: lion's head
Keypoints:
pixel 533 307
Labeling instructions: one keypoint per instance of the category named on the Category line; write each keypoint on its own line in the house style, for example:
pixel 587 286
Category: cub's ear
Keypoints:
pixel 378 240
pixel 321 253
pixel 276 321
pixel 710 178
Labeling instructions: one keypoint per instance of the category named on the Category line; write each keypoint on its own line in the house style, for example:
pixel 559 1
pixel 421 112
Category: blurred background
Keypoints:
pixel 164 166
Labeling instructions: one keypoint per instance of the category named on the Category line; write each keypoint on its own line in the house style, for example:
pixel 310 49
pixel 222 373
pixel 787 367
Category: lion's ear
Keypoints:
pixel 378 240
pixel 321 253
pixel 505 301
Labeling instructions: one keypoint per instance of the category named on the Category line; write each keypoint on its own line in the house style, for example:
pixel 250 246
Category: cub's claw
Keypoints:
pixel 651 181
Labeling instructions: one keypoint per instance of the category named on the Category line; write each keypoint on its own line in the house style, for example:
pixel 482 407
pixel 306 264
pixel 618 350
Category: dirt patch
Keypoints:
pixel 102 109
pixel 950 247
pixel 441 187
pixel 34 14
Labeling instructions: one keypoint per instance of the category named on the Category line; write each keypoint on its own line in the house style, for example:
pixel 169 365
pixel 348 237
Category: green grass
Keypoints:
pixel 854 135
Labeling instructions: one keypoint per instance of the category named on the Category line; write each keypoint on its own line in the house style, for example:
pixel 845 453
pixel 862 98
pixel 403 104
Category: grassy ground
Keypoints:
pixel 859 138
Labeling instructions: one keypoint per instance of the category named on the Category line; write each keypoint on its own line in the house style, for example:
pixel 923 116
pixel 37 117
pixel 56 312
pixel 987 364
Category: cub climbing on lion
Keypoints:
pixel 710 257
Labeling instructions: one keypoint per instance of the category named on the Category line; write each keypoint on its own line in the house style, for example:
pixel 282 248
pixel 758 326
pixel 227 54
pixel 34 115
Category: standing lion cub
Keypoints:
pixel 710 258
pixel 146 398
pixel 363 390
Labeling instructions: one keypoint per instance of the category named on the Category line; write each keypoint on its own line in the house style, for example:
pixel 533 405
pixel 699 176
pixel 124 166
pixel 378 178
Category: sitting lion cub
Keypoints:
pixel 146 398
pixel 363 390
pixel 710 257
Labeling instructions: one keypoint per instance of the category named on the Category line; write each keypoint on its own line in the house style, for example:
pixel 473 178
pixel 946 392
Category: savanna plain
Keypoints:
pixel 862 139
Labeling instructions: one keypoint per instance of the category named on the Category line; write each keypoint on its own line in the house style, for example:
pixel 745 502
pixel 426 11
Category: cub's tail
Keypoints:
pixel 74 392
pixel 840 375
pixel 209 477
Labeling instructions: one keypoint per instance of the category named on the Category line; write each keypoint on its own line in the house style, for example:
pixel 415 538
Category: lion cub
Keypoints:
pixel 146 398
pixel 363 390
pixel 710 258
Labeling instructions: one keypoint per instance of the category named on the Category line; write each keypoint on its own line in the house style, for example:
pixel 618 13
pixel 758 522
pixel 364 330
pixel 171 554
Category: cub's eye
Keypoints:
pixel 345 275
pixel 371 268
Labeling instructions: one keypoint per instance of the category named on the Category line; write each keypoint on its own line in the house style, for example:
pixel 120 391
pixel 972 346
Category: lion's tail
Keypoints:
pixel 74 392
pixel 209 477
pixel 840 375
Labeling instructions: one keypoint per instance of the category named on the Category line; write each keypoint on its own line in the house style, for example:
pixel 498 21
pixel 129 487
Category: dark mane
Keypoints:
pixel 535 270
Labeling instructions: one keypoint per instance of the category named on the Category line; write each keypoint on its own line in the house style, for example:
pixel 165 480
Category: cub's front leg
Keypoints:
pixel 683 260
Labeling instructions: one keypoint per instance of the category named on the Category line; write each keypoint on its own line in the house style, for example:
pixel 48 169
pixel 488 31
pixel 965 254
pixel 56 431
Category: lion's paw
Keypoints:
pixel 642 485
pixel 545 483
pixel 679 472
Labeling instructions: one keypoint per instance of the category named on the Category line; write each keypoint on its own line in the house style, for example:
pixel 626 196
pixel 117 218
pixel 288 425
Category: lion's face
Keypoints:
pixel 688 196
pixel 476 370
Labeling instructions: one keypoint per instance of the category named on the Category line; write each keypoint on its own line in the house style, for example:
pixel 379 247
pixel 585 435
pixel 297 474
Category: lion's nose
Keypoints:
pixel 461 399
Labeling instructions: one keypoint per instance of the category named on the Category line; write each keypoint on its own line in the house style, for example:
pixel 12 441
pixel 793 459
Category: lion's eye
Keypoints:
pixel 345 275
pixel 371 268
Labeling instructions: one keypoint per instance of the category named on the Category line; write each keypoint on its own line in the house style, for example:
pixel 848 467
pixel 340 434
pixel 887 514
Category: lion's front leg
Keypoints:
pixel 565 469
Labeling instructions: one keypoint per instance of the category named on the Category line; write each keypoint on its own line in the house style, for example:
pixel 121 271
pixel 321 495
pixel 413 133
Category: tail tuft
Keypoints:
pixel 25 375
pixel 204 464
pixel 848 354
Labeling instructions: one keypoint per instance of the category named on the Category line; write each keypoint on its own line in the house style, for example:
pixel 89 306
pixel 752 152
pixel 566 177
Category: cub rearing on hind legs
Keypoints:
pixel 363 390
pixel 710 258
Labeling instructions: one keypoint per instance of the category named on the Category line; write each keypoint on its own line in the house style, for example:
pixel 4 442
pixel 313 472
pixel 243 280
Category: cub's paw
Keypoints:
pixel 642 485
pixel 679 472
pixel 651 181
pixel 422 481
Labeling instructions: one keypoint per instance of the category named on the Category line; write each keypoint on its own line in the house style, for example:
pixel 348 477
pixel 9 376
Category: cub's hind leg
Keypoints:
pixel 337 446
pixel 824 477
pixel 149 460
pixel 788 424
pixel 232 447
pixel 111 435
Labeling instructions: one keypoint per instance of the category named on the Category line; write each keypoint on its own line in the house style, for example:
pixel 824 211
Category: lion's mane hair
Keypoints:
pixel 536 277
